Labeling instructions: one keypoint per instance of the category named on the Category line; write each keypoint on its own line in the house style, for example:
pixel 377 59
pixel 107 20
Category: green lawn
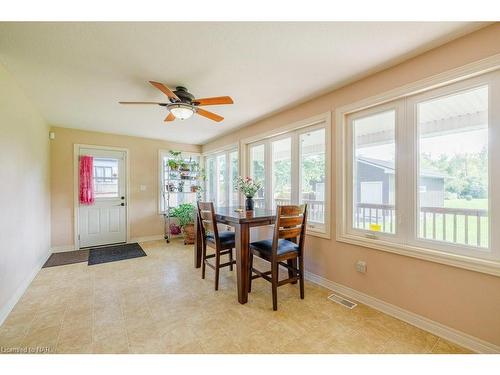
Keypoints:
pixel 464 203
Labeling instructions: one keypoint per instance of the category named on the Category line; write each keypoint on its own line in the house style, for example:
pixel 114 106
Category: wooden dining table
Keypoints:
pixel 242 221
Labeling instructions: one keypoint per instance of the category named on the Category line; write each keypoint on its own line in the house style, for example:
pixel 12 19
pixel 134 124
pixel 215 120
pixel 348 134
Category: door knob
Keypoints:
pixel 122 204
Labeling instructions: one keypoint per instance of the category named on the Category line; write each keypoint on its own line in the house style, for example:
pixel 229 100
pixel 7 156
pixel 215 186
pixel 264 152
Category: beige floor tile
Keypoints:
pixel 111 344
pixel 160 304
pixel 446 347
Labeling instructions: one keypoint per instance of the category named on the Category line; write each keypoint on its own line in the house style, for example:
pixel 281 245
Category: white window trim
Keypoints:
pixel 321 120
pixel 159 187
pixel 342 233
pixel 227 150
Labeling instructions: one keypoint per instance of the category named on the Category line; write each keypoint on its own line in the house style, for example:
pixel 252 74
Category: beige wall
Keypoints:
pixel 143 159
pixel 24 192
pixel 461 299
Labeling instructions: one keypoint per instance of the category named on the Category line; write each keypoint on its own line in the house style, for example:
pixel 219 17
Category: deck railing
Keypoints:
pixel 315 208
pixel 457 225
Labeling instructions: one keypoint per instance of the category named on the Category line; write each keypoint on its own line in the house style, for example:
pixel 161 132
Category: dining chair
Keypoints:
pixel 222 242
pixel 287 245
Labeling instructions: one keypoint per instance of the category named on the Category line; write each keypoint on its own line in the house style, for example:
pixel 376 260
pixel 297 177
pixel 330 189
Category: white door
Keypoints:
pixel 105 221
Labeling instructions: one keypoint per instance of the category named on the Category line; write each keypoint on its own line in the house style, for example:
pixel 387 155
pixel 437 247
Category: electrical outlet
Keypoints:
pixel 361 266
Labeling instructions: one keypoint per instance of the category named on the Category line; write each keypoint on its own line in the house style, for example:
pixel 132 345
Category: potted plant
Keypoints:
pixel 174 160
pixel 249 188
pixel 185 213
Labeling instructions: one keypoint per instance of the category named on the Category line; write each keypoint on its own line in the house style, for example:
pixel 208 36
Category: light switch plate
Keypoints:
pixel 142 188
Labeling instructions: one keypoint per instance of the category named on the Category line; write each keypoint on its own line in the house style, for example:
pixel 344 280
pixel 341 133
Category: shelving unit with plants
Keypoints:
pixel 181 190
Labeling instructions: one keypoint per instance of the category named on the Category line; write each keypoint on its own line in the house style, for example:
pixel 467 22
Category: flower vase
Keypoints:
pixel 249 204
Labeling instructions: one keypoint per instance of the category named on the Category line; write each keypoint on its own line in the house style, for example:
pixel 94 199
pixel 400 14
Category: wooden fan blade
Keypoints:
pixel 164 89
pixel 214 101
pixel 210 115
pixel 141 103
pixel 170 117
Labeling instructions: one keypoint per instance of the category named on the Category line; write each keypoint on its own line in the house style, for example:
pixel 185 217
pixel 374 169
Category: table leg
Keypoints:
pixel 242 239
pixel 197 243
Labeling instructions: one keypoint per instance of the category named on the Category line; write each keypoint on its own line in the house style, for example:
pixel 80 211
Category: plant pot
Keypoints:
pixel 188 231
pixel 249 204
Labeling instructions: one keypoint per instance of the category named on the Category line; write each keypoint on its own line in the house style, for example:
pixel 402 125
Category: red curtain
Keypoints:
pixel 86 180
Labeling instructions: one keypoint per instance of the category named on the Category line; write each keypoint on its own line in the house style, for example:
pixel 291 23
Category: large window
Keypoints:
pixel 420 173
pixel 374 171
pixel 221 170
pixel 293 168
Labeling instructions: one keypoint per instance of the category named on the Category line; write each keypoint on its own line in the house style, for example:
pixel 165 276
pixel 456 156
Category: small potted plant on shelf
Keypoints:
pixel 184 166
pixel 249 188
pixel 174 160
pixel 185 213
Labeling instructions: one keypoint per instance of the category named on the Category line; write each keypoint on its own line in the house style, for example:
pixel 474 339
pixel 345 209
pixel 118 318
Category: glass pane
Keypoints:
pixel 221 181
pixel 281 153
pixel 257 172
pixel 210 181
pixel 105 178
pixel 312 172
pixel 374 176
pixel 233 173
pixel 453 168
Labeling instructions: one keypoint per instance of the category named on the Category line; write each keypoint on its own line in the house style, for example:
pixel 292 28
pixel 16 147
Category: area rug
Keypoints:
pixel 67 257
pixel 115 253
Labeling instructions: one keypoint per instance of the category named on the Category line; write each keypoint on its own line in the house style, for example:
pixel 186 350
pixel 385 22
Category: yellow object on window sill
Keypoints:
pixel 375 227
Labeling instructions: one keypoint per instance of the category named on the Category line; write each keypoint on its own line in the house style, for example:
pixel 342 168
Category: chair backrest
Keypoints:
pixel 291 221
pixel 208 224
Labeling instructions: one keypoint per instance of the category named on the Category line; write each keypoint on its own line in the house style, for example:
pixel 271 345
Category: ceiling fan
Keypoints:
pixel 182 104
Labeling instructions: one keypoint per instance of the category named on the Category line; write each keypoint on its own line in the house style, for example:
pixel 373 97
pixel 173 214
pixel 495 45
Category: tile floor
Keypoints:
pixel 160 304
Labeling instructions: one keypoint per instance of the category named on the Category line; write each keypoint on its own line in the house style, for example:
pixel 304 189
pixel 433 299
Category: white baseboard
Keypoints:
pixel 147 238
pixel 438 329
pixel 7 308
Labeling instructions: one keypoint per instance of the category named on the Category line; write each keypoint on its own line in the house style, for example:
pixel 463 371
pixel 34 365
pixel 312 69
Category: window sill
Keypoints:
pixel 486 266
pixel 316 233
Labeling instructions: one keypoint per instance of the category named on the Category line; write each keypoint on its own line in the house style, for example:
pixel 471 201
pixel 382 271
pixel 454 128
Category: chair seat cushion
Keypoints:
pixel 284 246
pixel 226 237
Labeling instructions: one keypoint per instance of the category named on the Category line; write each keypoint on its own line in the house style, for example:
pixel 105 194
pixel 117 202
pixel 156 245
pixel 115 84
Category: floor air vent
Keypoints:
pixel 342 301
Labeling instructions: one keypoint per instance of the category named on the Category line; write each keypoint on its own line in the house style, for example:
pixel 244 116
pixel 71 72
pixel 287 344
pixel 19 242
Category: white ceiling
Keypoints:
pixel 75 73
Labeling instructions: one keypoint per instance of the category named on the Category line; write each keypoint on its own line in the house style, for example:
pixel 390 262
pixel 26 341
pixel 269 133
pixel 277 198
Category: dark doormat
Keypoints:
pixel 114 253
pixel 67 257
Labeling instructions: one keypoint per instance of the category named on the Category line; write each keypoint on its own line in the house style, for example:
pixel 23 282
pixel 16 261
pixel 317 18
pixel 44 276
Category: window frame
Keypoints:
pixel 400 196
pixel 466 78
pixel 214 155
pixel 294 130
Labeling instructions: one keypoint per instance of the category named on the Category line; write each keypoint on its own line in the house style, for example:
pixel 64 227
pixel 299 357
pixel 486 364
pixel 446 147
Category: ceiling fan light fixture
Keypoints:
pixel 181 111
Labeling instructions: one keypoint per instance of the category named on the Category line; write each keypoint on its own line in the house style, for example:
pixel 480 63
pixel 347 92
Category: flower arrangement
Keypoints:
pixel 247 186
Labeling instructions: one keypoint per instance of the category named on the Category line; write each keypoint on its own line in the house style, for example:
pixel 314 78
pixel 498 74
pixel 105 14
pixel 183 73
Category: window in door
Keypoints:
pixel 105 178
